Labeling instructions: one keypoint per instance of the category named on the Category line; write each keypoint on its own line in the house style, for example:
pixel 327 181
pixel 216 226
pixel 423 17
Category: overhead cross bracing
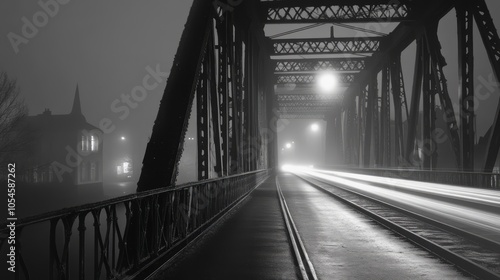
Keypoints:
pixel 335 11
pixel 326 46
pixel 299 60
pixel 314 65
pixel 344 79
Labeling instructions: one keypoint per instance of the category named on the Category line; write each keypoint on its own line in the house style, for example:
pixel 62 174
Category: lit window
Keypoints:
pixel 84 143
pixel 126 167
pixel 94 143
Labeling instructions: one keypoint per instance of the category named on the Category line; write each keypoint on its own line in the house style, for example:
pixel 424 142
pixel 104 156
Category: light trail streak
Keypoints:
pixel 423 198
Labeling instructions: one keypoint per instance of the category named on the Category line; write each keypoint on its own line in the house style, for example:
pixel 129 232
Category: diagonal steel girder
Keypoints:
pixel 343 79
pixel 297 11
pixel 405 34
pixel 326 46
pixel 310 65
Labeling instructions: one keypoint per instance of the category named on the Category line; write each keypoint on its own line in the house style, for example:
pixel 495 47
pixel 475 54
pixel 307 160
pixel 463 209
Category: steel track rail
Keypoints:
pixel 469 235
pixel 305 265
pixel 462 263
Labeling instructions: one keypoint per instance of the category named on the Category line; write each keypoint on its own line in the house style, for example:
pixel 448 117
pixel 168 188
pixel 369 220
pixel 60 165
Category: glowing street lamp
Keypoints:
pixel 327 81
pixel 314 127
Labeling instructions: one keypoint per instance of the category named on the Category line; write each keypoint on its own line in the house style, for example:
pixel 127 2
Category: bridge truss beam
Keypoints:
pixel 314 65
pixel 223 63
pixel 344 79
pixel 341 11
pixel 326 46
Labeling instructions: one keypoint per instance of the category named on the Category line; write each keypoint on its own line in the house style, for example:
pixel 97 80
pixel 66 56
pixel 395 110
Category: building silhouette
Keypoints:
pixel 62 149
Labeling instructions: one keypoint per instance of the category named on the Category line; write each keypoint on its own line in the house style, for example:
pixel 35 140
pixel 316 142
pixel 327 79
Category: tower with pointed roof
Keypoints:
pixel 77 107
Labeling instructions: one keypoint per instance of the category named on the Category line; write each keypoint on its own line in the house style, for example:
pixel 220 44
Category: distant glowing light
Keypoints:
pixel 314 127
pixel 123 138
pixel 296 168
pixel 126 167
pixel 286 167
pixel 327 82
pixel 288 145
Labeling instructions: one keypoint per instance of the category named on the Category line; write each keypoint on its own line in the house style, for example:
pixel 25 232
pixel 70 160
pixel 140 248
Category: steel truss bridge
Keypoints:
pixel 239 81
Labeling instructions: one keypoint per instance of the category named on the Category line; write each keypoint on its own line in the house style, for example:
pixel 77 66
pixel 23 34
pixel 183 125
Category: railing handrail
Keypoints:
pixel 96 205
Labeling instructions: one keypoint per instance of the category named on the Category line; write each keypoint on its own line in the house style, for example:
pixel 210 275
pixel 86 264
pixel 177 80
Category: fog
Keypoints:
pixel 109 47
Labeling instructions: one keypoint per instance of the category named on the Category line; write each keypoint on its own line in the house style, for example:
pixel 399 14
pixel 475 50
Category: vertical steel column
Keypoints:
pixel 428 96
pixel 252 105
pixel 223 80
pixel 214 103
pixel 385 120
pixel 330 153
pixel 238 99
pixel 375 130
pixel 415 102
pixel 271 137
pixel 234 98
pixel 398 118
pixel 350 134
pixel 371 99
pixel 202 119
pixel 247 134
pixel 466 77
pixel 360 126
pixel 339 137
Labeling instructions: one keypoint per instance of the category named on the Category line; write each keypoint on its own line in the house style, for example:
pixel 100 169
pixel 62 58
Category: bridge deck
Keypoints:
pixel 251 242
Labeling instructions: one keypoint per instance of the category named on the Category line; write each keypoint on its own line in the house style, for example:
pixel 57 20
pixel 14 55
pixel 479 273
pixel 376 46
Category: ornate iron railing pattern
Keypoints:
pixel 119 237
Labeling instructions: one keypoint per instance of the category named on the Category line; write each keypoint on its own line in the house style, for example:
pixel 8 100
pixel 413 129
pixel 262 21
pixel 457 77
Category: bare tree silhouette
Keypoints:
pixel 13 110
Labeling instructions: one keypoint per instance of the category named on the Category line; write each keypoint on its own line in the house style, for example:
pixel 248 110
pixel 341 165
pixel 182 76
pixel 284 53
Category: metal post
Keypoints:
pixel 385 121
pixel 466 77
pixel 415 102
pixel 202 123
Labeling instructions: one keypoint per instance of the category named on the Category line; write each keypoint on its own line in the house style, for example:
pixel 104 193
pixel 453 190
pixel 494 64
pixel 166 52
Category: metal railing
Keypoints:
pixel 458 178
pixel 121 237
